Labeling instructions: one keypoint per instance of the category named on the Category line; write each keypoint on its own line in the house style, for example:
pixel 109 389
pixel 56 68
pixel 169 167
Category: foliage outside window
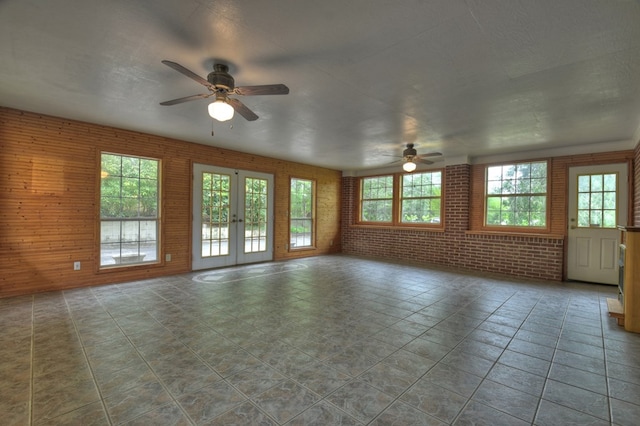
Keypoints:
pixel 215 214
pixel 597 203
pixel 256 215
pixel 129 216
pixel 376 199
pixel 401 199
pixel 301 214
pixel 421 198
pixel 516 195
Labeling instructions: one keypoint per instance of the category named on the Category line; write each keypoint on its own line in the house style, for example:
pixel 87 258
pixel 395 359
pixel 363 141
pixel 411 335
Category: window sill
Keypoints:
pixel 439 229
pixel 129 266
pixel 517 234
pixel 305 248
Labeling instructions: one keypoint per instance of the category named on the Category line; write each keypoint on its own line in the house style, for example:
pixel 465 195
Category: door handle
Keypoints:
pixel 239 220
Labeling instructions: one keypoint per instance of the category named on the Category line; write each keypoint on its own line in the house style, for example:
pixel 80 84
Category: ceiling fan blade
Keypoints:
pixel 431 154
pixel 423 161
pixel 266 89
pixel 189 74
pixel 186 99
pixel 242 109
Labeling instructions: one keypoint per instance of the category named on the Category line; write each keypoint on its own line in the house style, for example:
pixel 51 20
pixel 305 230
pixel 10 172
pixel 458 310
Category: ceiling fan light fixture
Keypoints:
pixel 220 110
pixel 409 166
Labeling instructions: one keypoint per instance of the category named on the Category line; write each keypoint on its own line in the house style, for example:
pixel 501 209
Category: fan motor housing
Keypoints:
pixel 221 78
pixel 409 152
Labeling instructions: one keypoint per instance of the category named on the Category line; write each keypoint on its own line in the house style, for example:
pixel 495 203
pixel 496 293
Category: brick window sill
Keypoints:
pixel 516 234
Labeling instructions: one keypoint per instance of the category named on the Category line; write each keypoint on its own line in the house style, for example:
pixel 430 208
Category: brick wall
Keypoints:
pixel 464 243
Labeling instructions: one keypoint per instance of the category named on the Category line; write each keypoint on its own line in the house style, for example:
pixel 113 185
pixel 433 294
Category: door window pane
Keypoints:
pixel 215 214
pixel 597 200
pixel 255 215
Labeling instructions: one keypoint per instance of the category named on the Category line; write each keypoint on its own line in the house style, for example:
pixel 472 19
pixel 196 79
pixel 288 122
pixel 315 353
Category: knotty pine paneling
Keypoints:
pixel 49 196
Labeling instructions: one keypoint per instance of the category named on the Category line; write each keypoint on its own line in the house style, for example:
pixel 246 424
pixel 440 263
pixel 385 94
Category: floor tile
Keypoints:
pixel 400 413
pixel 594 404
pixel 551 414
pixel 205 404
pixel 136 401
pixel 322 413
pixel 360 400
pixel 285 400
pixel 434 400
pixel 320 340
pixel 477 414
pixel 511 401
pixel 517 379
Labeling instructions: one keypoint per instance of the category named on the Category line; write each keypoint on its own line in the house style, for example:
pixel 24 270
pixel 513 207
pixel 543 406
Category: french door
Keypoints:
pixel 232 217
pixel 597 205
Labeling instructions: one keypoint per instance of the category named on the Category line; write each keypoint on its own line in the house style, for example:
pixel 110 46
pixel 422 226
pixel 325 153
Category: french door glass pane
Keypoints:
pixel 255 215
pixel 215 214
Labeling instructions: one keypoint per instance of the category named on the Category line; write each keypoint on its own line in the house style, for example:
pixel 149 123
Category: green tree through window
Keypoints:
pixel 129 200
pixel 516 195
pixel 301 214
pixel 421 197
pixel 413 199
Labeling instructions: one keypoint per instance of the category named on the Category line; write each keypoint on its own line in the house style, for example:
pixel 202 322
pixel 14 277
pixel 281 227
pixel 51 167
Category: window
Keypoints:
pixel 516 195
pixel 377 199
pixel 301 217
pixel 597 203
pixel 421 198
pixel 401 199
pixel 129 217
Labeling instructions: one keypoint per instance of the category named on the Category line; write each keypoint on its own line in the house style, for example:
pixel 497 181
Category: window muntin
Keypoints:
pixel 421 200
pixel 401 199
pixel 129 215
pixel 597 200
pixel 301 213
pixel 516 195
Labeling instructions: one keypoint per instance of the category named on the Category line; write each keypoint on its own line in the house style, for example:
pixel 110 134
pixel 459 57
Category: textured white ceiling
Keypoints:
pixel 468 78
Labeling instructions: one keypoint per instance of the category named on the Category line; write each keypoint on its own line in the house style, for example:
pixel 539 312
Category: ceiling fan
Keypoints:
pixel 410 157
pixel 221 84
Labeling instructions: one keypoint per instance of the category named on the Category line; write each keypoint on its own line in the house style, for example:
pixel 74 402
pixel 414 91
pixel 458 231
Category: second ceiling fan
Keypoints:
pixel 410 157
pixel 221 84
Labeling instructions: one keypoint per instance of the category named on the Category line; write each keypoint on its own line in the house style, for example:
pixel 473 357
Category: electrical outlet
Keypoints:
pixel 76 266
pixel 167 257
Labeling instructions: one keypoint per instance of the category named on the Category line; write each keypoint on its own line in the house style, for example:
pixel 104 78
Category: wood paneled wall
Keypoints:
pixel 636 187
pixel 49 196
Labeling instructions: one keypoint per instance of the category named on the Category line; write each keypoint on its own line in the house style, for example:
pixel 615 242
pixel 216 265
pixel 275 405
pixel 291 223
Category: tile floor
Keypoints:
pixel 331 340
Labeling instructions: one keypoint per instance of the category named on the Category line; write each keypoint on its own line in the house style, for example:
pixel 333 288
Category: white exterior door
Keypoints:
pixel 232 217
pixel 597 205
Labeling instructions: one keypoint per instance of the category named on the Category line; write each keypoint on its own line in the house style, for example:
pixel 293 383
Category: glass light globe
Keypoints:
pixel 220 110
pixel 409 166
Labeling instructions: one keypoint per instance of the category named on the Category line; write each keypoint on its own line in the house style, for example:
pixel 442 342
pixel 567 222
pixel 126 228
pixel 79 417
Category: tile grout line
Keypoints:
pixel 32 355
